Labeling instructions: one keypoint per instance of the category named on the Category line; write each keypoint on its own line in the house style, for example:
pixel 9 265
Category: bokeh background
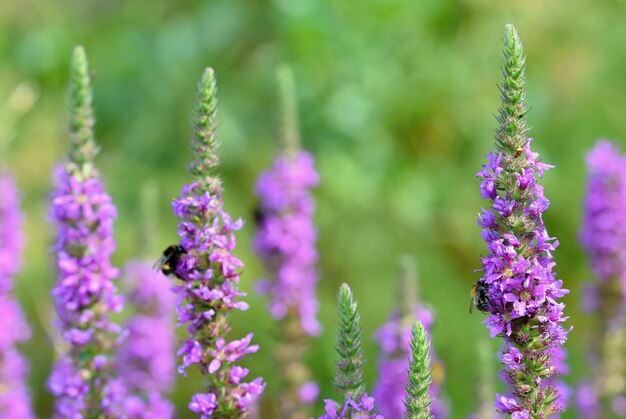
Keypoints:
pixel 396 102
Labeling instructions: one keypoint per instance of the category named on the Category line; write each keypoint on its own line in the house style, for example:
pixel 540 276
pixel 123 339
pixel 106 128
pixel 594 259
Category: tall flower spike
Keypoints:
pixel 521 289
pixel 418 397
pixel 85 294
pixel 14 393
pixel 349 376
pixel 394 338
pixel 208 289
pixel 603 236
pixel 285 241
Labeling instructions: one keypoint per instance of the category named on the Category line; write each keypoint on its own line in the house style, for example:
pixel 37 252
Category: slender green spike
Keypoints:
pixel 407 289
pixel 349 378
pixel 204 142
pixel 418 399
pixel 83 147
pixel 289 128
pixel 512 129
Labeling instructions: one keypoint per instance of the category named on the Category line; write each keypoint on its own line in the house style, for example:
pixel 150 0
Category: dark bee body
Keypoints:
pixel 480 299
pixel 258 215
pixel 168 263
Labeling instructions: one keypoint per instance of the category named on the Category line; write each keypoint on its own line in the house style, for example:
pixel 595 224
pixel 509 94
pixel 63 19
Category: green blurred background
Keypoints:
pixel 396 101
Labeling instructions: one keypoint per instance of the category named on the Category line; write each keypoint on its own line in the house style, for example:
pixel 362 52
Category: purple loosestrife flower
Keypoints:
pixel 394 338
pixel 209 277
pixel 603 236
pixel 522 291
pixel 85 294
pixel 349 376
pixel 145 361
pixel 285 241
pixel 286 238
pixel 14 394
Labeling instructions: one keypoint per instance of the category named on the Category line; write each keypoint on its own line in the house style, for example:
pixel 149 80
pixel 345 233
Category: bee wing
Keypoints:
pixel 159 263
pixel 471 305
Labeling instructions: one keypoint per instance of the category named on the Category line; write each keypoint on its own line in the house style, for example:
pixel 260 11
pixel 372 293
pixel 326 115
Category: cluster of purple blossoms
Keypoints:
pixel 209 289
pixel 286 238
pixel 14 394
pixel 603 233
pixel 522 289
pixel 145 360
pixel 351 409
pixel 85 294
pixel 394 338
pixel 603 236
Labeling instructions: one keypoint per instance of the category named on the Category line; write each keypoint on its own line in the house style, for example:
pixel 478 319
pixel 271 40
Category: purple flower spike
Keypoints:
pixel 521 290
pixel 14 393
pixel 85 294
pixel 285 242
pixel 145 361
pixel 286 238
pixel 603 236
pixel 208 289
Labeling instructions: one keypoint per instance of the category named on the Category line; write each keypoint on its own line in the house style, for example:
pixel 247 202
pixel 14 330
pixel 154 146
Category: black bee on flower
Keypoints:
pixel 479 296
pixel 168 262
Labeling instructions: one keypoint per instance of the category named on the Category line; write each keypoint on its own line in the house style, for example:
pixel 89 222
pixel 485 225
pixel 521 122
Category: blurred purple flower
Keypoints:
pixel 286 238
pixel 146 360
pixel 587 401
pixel 14 393
pixel 603 232
pixel 361 409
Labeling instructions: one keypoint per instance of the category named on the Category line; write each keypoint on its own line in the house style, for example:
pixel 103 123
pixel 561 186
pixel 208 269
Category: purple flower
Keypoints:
pixel 85 294
pixel 603 236
pixel 208 289
pixel 361 409
pixel 145 360
pixel 286 238
pixel 603 233
pixel 285 241
pixel 522 290
pixel 11 232
pixel 14 393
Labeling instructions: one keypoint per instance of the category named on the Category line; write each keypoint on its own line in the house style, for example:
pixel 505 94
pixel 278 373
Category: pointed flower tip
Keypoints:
pixel 208 82
pixel 512 37
pixel 79 64
pixel 345 293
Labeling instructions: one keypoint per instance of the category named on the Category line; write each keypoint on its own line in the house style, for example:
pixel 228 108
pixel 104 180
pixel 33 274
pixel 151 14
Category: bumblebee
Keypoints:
pixel 479 298
pixel 168 262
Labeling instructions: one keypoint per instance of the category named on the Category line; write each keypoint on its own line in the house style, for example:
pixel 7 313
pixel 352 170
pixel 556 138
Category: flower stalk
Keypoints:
pixel 208 290
pixel 522 291
pixel 85 294
pixel 285 242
